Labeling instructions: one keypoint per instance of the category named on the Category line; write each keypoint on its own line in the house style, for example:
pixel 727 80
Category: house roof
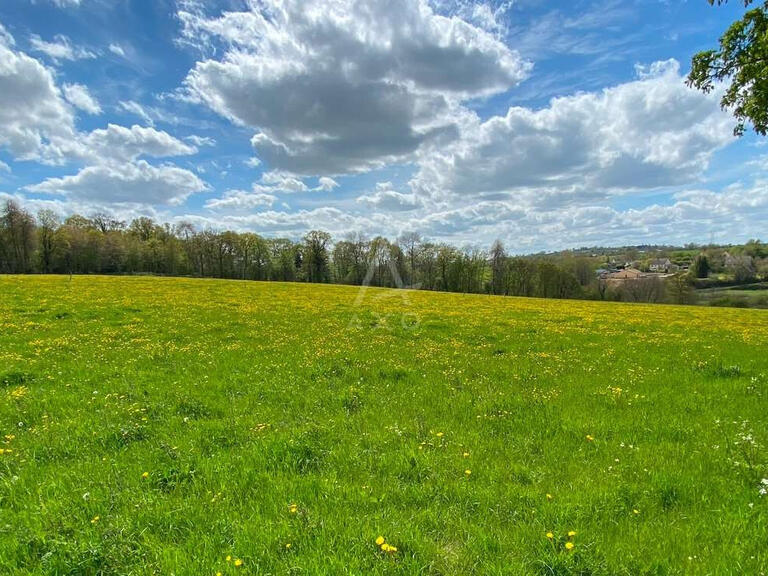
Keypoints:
pixel 626 274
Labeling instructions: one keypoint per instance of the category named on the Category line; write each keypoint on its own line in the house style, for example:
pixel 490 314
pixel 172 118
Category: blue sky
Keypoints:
pixel 545 124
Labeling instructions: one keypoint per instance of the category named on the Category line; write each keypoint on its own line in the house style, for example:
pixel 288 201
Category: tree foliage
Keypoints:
pixel 741 61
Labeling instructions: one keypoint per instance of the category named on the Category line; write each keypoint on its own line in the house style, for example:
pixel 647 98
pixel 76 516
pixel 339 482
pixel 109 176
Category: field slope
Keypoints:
pixel 161 426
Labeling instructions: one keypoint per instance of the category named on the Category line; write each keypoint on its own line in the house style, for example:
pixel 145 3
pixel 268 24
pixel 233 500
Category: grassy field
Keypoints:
pixel 747 296
pixel 173 426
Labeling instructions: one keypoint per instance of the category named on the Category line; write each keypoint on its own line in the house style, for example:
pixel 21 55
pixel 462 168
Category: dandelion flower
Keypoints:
pixel 145 475
pixel 569 545
pixel 439 434
pixel 238 562
pixel 287 545
pixel 550 536
pixel 589 438
pixel 635 511
pixel 95 519
pixel 293 508
pixel 571 533
pixel 466 454
pixel 379 540
pixel 229 558
pixel 549 496
pixel 467 471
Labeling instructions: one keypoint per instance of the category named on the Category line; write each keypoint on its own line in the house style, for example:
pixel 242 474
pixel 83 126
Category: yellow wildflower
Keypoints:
pixel 589 438
pixel 569 545
pixel 379 540
pixel 238 562
pixel 467 471
pixel 572 533
pixel 550 536
pixel 145 475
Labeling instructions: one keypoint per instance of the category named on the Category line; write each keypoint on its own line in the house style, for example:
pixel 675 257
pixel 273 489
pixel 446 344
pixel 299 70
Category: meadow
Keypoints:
pixel 186 426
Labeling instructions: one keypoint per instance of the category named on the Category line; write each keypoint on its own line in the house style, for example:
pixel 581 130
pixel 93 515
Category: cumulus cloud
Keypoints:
pixel 4 167
pixel 326 184
pixel 118 143
pixel 386 198
pixel 34 118
pixel 60 48
pixel 79 96
pixel 280 223
pixel 277 182
pixel 240 200
pixel 136 182
pixel 344 87
pixel 647 133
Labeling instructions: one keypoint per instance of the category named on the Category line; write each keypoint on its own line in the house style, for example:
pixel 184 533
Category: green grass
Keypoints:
pixel 753 295
pixel 240 399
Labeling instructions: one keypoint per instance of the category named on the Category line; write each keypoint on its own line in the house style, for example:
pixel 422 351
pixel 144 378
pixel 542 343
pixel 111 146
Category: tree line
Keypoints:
pixel 100 244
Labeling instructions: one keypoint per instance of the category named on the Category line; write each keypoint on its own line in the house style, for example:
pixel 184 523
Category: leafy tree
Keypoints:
pixel 742 60
pixel 315 256
pixel 700 267
pixel 410 243
pixel 48 223
pixel 17 239
pixel 499 279
pixel 679 289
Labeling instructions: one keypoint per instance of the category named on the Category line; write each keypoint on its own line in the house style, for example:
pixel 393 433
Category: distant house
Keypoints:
pixel 661 265
pixel 626 274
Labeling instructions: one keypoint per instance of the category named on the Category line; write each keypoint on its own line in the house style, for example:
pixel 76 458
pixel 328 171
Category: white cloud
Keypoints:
pixel 60 49
pixel 5 37
pixel 137 109
pixel 387 199
pixel 117 50
pixel 34 119
pixel 200 141
pixel 118 143
pixel 347 86
pixel 648 133
pixel 79 96
pixel 276 182
pixel 280 223
pixel 326 184
pixel 4 167
pixel 240 200
pixel 135 183
pixel 66 3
